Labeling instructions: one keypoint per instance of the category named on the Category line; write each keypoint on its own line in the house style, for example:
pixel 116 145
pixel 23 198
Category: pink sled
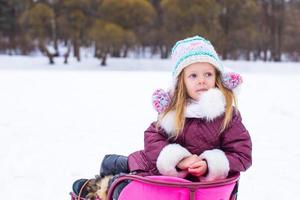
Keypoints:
pixel 172 188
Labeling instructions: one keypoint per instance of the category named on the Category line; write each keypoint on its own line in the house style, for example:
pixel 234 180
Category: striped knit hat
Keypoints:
pixel 198 49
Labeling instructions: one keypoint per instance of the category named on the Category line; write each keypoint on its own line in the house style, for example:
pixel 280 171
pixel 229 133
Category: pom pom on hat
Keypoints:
pixel 231 80
pixel 160 100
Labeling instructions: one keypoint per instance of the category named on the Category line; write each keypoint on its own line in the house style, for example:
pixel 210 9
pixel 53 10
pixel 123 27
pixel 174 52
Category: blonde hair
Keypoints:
pixel 179 102
pixel 230 100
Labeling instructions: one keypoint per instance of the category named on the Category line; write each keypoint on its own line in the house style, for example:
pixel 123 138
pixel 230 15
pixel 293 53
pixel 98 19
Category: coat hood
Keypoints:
pixel 210 105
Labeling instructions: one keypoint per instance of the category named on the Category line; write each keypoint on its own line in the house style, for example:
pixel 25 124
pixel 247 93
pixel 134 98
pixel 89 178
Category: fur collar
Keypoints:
pixel 211 105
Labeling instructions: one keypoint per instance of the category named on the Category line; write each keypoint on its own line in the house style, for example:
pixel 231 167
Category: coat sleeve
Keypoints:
pixel 155 139
pixel 236 144
pixel 163 154
pixel 234 153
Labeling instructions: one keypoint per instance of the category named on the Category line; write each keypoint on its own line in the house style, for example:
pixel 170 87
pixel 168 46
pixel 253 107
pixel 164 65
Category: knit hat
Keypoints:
pixel 191 50
pixel 186 52
pixel 198 49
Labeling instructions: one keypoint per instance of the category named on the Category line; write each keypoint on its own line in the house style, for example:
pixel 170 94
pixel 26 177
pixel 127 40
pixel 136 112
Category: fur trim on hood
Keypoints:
pixel 217 163
pixel 169 157
pixel 210 105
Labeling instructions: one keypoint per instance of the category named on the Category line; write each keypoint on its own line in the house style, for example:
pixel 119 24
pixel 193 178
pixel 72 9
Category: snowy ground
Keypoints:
pixel 57 122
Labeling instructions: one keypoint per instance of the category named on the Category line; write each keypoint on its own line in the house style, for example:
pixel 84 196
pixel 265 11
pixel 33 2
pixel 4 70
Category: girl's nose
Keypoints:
pixel 201 80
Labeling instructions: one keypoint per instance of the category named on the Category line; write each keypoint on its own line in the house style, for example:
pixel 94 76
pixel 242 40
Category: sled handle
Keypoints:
pixel 192 186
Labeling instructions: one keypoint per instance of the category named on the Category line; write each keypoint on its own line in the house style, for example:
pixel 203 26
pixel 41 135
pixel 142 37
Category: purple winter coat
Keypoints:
pixel 200 137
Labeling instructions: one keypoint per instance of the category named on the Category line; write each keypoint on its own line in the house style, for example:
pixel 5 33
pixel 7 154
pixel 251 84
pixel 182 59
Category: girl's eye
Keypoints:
pixel 193 75
pixel 208 74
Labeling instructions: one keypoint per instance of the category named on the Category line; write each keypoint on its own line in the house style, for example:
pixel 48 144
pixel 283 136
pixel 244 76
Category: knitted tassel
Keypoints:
pixel 160 100
pixel 231 80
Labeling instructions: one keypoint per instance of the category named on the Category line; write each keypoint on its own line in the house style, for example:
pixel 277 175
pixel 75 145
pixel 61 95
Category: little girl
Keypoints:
pixel 199 133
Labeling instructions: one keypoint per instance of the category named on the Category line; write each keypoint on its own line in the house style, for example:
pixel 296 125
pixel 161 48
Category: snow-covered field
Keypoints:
pixel 57 122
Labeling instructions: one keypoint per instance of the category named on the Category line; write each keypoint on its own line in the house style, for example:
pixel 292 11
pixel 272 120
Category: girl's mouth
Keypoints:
pixel 202 90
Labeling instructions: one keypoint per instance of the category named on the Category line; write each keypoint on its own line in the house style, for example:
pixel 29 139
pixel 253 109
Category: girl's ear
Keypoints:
pixel 231 80
pixel 161 100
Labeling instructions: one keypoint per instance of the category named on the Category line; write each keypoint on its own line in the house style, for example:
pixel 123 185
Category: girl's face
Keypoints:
pixel 198 78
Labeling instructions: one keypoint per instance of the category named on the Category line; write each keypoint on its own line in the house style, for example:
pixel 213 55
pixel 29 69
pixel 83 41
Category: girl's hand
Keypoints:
pixel 188 162
pixel 198 168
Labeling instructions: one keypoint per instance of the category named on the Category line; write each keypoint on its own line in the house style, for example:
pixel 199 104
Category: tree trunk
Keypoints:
pixel 12 44
pixel 276 27
pixel 265 55
pixel 96 51
pixel 248 55
pixel 164 51
pixel 103 59
pixel 54 37
pixel 125 53
pixel 226 26
pixel 76 49
pixel 116 53
pixel 46 52
pixel 67 54
pixel 224 53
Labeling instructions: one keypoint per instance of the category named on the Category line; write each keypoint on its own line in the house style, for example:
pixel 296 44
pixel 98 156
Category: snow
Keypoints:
pixel 57 122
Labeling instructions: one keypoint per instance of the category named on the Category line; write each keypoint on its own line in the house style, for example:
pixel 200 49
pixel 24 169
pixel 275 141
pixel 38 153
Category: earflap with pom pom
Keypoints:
pixel 231 80
pixel 160 100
